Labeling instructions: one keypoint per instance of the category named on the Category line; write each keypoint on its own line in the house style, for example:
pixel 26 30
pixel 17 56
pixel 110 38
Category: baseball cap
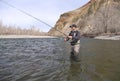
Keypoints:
pixel 73 25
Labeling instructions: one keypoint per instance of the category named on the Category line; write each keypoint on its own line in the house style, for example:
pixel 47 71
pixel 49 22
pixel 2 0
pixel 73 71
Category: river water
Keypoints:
pixel 48 59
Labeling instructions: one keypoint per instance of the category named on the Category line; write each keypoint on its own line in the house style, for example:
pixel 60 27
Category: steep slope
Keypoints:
pixel 95 18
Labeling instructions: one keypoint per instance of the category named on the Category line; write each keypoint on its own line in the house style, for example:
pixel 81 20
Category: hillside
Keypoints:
pixel 97 17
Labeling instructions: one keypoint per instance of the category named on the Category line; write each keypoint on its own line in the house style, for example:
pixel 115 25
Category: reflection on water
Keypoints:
pixel 48 60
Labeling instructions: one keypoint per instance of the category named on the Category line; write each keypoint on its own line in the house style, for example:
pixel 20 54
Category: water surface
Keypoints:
pixel 47 59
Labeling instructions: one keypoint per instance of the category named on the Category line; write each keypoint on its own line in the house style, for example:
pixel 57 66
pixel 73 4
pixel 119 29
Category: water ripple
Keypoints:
pixel 48 60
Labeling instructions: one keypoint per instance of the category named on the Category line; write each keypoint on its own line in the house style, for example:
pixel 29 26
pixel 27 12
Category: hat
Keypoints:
pixel 73 25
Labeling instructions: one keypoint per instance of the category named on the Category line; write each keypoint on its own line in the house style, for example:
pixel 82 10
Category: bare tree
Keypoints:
pixel 12 30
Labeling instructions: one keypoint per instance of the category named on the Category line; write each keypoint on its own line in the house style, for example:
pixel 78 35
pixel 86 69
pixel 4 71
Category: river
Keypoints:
pixel 48 59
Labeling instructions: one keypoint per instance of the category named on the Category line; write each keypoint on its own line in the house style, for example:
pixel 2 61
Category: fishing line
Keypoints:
pixel 24 12
pixel 32 16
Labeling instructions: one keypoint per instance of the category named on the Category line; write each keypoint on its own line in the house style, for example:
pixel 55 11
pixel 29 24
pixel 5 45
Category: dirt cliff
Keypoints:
pixel 94 18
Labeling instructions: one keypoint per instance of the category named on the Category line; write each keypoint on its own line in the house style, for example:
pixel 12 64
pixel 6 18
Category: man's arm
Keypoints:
pixel 68 37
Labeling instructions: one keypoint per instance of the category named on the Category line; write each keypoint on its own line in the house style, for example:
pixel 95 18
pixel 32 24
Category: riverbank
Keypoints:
pixel 107 37
pixel 25 36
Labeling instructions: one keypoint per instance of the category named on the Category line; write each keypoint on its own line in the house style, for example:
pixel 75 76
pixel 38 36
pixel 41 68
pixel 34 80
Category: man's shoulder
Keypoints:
pixel 71 31
pixel 78 31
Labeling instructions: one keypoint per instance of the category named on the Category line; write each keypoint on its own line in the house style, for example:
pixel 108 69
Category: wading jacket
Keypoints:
pixel 75 37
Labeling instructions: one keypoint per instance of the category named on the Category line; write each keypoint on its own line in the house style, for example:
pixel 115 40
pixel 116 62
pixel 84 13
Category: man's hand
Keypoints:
pixel 65 39
pixel 70 37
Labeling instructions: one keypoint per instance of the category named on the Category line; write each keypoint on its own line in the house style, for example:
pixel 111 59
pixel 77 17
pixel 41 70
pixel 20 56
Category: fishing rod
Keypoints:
pixel 32 16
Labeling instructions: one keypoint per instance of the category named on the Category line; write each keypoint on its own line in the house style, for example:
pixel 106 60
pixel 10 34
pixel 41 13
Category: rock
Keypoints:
pixel 94 18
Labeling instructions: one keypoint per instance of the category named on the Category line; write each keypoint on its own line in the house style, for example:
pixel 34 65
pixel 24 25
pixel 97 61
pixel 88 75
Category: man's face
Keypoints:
pixel 73 28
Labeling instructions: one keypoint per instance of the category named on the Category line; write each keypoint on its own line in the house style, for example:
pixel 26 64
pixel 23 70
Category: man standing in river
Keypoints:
pixel 74 35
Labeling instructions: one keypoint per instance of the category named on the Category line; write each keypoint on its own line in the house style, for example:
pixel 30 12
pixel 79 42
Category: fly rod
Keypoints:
pixel 32 16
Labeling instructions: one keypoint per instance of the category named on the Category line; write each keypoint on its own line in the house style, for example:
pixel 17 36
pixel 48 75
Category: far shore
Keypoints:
pixel 107 37
pixel 25 36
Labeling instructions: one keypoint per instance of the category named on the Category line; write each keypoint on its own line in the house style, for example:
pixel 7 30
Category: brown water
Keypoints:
pixel 48 60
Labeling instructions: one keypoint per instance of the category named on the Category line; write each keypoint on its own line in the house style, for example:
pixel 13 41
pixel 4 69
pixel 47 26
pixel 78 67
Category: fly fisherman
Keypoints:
pixel 74 35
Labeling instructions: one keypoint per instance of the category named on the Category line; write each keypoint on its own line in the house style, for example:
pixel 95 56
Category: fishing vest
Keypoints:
pixel 76 37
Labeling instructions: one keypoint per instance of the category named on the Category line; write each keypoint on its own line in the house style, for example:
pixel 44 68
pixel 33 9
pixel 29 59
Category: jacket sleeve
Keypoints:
pixel 70 34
